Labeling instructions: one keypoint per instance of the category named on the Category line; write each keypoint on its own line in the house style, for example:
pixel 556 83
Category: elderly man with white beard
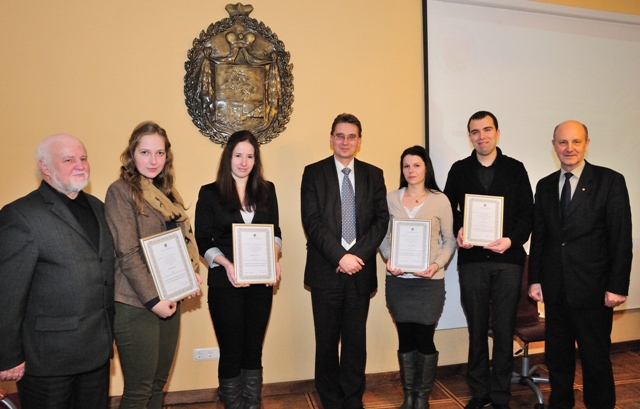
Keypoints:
pixel 56 286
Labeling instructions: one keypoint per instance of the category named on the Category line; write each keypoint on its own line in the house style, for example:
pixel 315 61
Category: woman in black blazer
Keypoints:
pixel 239 312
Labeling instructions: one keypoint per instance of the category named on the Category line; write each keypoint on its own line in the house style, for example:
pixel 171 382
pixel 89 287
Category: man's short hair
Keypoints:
pixel 481 115
pixel 347 118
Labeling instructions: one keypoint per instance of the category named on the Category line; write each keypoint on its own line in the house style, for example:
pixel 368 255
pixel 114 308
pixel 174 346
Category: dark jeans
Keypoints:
pixel 240 317
pixel 340 318
pixel 89 390
pixel 146 346
pixel 591 328
pixel 490 288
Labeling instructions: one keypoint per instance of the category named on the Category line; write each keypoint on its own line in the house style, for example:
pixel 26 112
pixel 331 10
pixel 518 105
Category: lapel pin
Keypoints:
pixel 583 189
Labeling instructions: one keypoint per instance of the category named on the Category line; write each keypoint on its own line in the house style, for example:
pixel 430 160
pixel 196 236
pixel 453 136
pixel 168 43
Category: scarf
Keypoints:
pixel 172 212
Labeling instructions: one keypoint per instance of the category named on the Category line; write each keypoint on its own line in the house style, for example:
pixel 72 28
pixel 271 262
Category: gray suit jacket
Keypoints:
pixel 322 222
pixel 56 288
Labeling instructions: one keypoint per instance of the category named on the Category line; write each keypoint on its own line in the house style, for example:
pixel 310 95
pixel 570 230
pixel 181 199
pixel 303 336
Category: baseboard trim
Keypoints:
pixel 307 385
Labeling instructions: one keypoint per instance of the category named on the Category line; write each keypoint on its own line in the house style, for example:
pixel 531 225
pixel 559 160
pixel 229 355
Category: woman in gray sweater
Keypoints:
pixel 416 299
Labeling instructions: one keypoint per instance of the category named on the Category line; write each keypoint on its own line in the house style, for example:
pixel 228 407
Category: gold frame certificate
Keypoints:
pixel 170 266
pixel 483 217
pixel 410 244
pixel 253 253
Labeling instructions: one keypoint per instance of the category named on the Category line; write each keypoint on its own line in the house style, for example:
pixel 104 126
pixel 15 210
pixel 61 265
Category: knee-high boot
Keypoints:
pixel 426 376
pixel 407 376
pixel 252 388
pixel 230 392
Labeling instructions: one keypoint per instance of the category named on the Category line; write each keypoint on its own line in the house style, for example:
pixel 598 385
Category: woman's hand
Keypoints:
pixel 429 272
pixel 196 293
pixel 164 308
pixel 277 275
pixel 231 275
pixel 396 271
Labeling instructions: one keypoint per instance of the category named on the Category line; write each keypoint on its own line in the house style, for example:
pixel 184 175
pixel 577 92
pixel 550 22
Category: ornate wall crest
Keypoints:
pixel 239 78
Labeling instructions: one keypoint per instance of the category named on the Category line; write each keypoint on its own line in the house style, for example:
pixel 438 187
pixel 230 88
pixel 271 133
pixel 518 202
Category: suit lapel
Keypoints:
pixel 62 211
pixel 585 183
pixel 551 191
pixel 333 190
pixel 361 183
pixel 98 212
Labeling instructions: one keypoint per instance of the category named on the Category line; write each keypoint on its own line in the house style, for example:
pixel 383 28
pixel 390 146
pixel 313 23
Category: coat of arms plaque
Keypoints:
pixel 239 78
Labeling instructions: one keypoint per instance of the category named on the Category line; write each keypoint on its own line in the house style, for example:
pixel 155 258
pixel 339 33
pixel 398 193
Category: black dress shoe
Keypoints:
pixel 478 403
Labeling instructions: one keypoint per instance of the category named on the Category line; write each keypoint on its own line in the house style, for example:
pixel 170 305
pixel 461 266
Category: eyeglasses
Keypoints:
pixel 341 137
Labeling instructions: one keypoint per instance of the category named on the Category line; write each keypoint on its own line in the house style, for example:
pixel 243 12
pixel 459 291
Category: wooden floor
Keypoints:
pixel 450 391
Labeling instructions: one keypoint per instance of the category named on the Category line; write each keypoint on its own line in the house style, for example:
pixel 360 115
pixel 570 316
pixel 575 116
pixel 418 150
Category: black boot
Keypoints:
pixel 426 376
pixel 252 388
pixel 230 391
pixel 407 376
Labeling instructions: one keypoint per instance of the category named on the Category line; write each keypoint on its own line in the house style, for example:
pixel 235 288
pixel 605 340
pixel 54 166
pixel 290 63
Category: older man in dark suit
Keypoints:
pixel 581 251
pixel 345 216
pixel 56 286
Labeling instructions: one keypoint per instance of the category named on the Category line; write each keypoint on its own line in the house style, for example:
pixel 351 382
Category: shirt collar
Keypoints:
pixel 575 172
pixel 339 166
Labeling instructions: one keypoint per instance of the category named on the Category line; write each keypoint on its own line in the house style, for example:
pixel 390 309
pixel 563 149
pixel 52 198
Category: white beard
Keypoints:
pixel 71 187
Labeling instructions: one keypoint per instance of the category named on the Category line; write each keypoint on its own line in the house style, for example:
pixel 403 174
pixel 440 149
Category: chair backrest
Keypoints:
pixel 527 307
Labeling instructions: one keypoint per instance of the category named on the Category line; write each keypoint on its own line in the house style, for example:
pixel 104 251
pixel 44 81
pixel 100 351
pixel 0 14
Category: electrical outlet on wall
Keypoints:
pixel 205 354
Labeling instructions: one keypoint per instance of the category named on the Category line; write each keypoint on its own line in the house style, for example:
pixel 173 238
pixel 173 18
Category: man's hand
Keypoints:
pixel 350 264
pixel 13 374
pixel 499 246
pixel 460 240
pixel 613 300
pixel 535 292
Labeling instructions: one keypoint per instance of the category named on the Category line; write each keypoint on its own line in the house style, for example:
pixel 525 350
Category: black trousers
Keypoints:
pixel 591 328
pixel 340 320
pixel 240 317
pixel 494 288
pixel 89 390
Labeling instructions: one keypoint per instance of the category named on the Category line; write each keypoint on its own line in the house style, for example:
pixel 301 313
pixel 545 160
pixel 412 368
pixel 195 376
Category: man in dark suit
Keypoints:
pixel 345 217
pixel 490 275
pixel 56 286
pixel 581 251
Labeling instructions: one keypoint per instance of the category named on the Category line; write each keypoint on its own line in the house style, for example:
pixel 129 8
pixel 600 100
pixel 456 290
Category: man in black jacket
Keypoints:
pixel 490 276
pixel 56 286
pixel 581 251
pixel 345 218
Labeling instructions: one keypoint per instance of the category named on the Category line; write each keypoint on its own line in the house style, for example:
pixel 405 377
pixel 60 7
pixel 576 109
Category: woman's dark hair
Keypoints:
pixel 430 177
pixel 129 173
pixel 255 195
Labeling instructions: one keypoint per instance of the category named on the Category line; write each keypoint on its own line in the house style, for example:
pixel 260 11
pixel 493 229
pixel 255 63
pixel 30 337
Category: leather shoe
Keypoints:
pixel 478 403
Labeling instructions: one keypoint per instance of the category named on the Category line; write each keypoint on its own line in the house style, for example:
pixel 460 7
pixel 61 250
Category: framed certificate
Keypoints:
pixel 169 264
pixel 482 219
pixel 253 253
pixel 410 244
